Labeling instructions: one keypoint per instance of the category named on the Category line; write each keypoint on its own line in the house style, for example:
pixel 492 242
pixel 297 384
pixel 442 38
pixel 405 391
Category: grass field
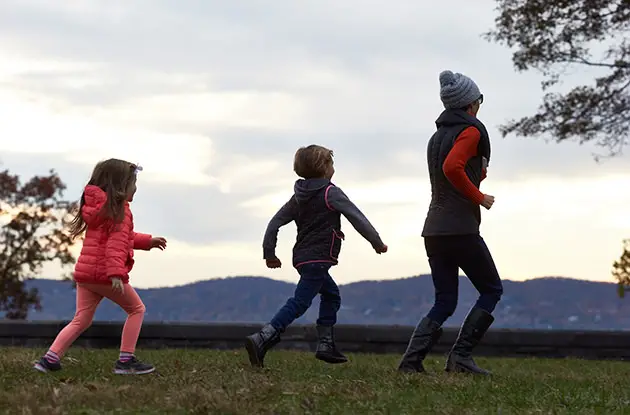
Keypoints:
pixel 202 382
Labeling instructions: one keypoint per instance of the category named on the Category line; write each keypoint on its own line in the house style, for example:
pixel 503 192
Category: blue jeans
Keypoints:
pixel 447 254
pixel 314 279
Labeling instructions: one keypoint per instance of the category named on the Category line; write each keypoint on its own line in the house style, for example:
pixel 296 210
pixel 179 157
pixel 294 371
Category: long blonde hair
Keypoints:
pixel 114 177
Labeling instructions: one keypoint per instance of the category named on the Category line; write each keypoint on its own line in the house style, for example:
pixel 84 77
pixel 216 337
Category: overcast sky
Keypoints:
pixel 214 97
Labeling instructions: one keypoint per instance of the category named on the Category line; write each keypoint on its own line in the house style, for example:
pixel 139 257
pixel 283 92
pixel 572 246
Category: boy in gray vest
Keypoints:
pixel 457 155
pixel 316 207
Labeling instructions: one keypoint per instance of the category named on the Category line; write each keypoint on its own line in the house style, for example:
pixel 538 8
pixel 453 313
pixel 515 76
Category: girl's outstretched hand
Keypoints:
pixel 273 263
pixel 158 242
pixel 118 286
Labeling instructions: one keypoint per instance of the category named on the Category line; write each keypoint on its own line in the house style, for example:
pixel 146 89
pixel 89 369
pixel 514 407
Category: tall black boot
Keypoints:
pixel 460 358
pixel 326 348
pixel 424 337
pixel 259 343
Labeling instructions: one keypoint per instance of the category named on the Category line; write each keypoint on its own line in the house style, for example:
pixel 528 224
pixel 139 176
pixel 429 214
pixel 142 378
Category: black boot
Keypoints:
pixel 426 334
pixel 326 348
pixel 259 343
pixel 460 358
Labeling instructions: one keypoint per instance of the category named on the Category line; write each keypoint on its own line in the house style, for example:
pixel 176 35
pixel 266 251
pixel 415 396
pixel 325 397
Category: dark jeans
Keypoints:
pixel 447 254
pixel 314 279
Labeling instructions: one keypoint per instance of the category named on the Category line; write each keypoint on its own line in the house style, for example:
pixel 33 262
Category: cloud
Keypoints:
pixel 215 30
pixel 345 74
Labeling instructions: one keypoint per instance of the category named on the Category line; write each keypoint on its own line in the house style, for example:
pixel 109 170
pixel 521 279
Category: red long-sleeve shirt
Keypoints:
pixel 464 148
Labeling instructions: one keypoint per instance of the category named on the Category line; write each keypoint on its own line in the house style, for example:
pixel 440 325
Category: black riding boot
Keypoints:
pixel 424 337
pixel 326 348
pixel 259 343
pixel 460 358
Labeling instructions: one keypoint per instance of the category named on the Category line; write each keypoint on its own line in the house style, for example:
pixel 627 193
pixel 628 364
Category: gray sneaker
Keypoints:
pixel 132 367
pixel 45 366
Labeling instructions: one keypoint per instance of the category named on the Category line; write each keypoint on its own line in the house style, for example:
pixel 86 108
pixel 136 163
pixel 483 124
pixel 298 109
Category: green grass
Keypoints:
pixel 221 382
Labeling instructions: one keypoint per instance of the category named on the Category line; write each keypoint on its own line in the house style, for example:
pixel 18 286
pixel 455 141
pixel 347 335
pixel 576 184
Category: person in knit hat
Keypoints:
pixel 458 91
pixel 458 154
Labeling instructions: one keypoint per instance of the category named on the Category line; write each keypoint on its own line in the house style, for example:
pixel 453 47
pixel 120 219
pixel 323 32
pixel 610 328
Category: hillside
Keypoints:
pixel 557 303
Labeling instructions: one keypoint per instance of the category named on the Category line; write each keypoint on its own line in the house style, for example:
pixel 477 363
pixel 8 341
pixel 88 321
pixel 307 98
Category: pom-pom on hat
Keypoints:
pixel 457 90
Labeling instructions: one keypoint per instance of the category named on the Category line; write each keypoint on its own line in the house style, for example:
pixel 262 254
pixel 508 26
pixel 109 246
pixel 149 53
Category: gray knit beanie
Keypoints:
pixel 457 90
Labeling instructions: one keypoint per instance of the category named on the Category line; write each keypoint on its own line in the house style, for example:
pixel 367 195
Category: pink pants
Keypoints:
pixel 88 298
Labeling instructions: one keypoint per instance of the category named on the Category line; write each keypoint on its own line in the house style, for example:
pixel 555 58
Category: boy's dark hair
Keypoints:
pixel 312 162
pixel 115 177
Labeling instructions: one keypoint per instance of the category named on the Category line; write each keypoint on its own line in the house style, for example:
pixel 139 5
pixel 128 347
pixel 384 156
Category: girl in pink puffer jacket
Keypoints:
pixel 102 270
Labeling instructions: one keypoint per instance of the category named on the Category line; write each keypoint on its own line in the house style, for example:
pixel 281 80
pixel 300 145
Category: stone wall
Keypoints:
pixel 351 338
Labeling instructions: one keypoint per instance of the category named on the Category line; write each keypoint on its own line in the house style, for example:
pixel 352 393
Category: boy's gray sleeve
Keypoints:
pixel 285 215
pixel 336 199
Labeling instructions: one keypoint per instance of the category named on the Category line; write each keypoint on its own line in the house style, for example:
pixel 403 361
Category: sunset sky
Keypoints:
pixel 213 98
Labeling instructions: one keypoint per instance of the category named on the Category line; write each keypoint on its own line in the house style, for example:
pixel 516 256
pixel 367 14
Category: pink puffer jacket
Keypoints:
pixel 107 250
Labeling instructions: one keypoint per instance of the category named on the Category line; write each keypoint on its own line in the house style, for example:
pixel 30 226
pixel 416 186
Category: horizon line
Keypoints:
pixel 340 285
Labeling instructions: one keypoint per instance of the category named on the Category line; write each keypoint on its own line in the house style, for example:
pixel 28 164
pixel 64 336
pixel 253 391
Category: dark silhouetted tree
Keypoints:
pixel 621 270
pixel 553 36
pixel 32 233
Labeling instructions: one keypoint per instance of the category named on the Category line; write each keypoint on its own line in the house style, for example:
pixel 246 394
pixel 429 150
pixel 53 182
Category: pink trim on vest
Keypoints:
pixel 326 197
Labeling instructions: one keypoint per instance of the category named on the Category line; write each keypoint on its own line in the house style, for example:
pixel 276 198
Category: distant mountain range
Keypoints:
pixel 553 303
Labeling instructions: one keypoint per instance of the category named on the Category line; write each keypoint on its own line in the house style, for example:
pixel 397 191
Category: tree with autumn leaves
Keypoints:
pixel 558 36
pixel 621 270
pixel 33 215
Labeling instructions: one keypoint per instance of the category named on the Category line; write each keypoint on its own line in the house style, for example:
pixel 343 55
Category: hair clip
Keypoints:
pixel 138 169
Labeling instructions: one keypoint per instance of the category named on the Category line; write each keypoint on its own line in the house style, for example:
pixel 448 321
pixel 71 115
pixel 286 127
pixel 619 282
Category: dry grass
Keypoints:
pixel 218 382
